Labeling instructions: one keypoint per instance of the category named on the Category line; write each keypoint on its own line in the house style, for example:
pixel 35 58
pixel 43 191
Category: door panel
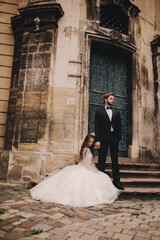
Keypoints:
pixel 109 72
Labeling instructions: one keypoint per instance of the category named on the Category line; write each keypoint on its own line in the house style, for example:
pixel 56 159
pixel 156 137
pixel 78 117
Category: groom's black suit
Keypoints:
pixel 108 138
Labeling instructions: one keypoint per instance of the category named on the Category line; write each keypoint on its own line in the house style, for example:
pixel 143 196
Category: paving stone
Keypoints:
pixel 27 238
pixel 155 224
pixel 26 214
pixel 58 224
pixel 104 233
pixel 12 211
pixel 59 231
pixel 28 224
pixel 143 235
pixel 140 229
pixel 107 223
pixel 154 237
pixel 113 229
pixel 105 238
pixel 57 216
pixel 2 223
pixel 46 221
pixel 122 236
pixel 59 237
pixel 65 221
pixel 128 232
pixel 15 234
pixel 16 223
pixel 75 238
pixel 12 220
pixel 2 233
pixel 5 216
pixel 98 227
pixel 74 234
pixel 89 237
pixel 154 232
pixel 7 228
pixel 43 235
pixel 139 238
pixel 52 212
pixel 68 213
pixel 44 227
pixel 84 217
pixel 87 230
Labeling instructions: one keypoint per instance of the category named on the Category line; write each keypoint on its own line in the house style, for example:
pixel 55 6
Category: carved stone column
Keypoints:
pixel 35 30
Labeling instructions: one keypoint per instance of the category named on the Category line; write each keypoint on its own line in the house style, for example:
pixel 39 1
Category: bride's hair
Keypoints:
pixel 85 144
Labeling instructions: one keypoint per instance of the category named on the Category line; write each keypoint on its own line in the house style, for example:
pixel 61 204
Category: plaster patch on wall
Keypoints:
pixel 70 100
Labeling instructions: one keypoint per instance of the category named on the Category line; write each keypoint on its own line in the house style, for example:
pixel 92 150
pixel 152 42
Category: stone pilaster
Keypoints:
pixel 155 46
pixel 35 30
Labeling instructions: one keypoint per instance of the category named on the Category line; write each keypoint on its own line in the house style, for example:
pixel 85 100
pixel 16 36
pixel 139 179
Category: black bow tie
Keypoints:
pixel 109 108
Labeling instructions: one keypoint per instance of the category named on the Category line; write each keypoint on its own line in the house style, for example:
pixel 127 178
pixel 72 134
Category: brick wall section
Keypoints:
pixel 8 10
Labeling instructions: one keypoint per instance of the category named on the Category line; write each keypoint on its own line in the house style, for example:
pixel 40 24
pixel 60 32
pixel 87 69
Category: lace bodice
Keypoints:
pixel 88 160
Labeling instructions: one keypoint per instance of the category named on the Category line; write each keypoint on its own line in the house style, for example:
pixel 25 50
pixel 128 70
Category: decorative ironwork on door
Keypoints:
pixel 109 73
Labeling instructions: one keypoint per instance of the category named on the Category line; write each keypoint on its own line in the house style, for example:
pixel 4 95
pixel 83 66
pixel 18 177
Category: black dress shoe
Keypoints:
pixel 119 187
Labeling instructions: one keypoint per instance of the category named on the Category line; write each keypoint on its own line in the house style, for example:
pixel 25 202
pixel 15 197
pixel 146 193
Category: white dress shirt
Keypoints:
pixel 109 112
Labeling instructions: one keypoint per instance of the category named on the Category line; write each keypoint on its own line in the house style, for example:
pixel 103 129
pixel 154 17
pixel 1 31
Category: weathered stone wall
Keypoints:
pixel 48 108
pixel 144 119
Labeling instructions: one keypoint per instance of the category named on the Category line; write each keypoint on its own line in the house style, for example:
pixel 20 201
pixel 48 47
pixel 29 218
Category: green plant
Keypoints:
pixel 29 185
pixel 36 231
pixel 2 211
pixel 140 205
pixel 157 198
pixel 47 218
pixel 101 209
pixel 28 234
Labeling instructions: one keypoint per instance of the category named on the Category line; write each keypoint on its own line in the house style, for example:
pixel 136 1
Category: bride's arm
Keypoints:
pixel 86 161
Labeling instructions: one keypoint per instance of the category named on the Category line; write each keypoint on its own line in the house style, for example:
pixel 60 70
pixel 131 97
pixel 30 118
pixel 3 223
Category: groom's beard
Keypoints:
pixel 110 104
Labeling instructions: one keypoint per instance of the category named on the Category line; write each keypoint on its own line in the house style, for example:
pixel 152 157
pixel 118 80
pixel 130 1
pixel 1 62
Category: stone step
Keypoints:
pixel 140 193
pixel 141 182
pixel 136 166
pixel 136 174
pixel 132 160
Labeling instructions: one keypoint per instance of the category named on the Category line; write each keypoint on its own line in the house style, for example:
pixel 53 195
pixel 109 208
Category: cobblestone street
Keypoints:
pixel 22 218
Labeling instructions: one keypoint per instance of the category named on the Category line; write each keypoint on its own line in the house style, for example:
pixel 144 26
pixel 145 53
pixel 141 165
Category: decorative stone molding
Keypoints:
pixel 37 28
pixel 111 36
pixel 48 13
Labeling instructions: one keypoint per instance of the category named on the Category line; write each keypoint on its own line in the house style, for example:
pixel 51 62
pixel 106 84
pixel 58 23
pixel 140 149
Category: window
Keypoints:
pixel 113 17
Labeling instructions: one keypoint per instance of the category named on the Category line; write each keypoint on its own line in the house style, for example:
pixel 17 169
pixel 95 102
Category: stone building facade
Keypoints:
pixel 67 54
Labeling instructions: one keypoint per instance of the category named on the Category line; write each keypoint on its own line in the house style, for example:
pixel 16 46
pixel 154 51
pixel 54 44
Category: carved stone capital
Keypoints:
pixel 48 15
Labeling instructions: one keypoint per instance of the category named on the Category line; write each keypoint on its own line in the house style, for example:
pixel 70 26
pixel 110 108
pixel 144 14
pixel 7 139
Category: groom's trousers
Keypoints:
pixel 109 141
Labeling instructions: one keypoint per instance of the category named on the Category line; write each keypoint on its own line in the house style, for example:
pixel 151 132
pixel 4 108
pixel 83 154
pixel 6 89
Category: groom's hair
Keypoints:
pixel 107 95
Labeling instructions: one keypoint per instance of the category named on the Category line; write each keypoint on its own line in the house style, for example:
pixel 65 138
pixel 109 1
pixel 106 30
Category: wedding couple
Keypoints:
pixel 84 185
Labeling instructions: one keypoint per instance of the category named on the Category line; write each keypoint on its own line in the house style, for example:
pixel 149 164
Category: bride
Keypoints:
pixel 81 185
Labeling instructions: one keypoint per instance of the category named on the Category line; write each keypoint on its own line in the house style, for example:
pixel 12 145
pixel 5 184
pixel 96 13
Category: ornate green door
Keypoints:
pixel 109 72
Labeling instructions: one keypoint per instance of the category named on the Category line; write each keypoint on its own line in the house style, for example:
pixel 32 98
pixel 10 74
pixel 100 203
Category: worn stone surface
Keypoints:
pixel 20 215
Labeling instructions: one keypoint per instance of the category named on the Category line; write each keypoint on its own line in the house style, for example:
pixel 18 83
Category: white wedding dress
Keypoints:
pixel 80 185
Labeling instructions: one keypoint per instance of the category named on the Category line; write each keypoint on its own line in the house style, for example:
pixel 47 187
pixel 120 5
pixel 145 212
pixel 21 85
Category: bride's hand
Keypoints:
pixel 97 145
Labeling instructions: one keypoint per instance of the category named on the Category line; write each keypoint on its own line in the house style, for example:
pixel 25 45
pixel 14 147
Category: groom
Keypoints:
pixel 108 130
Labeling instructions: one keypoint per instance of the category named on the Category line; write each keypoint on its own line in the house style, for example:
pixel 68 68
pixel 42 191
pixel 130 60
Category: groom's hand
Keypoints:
pixel 97 145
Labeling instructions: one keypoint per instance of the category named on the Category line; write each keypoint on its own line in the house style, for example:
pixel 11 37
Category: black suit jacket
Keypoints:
pixel 103 123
